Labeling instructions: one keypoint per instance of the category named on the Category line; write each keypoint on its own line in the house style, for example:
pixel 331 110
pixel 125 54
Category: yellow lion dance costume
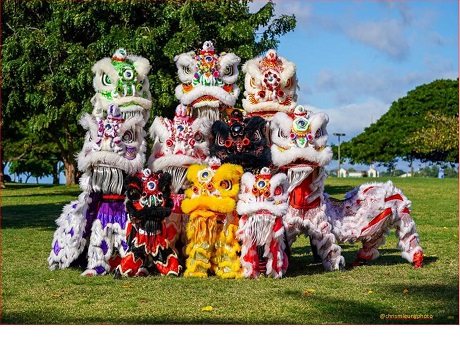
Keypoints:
pixel 210 203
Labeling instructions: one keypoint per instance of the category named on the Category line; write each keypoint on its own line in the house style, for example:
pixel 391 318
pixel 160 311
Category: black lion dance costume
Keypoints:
pixel 241 141
pixel 91 230
pixel 151 244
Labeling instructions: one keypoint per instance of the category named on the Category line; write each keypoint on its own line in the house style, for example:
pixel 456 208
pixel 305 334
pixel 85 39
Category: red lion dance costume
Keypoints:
pixel 367 213
pixel 151 245
pixel 262 203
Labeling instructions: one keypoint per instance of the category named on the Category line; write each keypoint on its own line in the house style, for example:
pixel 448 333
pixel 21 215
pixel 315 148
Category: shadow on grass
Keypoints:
pixel 341 190
pixel 355 312
pixel 27 216
pixel 332 310
pixel 302 262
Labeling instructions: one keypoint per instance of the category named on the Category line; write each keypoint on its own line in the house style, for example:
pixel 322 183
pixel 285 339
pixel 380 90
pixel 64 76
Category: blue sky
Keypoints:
pixel 354 58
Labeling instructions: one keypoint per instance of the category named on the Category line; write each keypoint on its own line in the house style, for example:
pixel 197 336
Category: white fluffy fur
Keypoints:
pixel 89 157
pixel 198 91
pixel 284 153
pixel 186 68
pixel 248 203
pixel 162 156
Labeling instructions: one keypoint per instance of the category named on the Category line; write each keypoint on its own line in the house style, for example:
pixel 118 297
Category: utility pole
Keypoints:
pixel 338 135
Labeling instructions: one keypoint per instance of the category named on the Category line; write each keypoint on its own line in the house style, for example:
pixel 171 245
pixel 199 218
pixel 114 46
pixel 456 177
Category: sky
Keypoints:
pixel 355 58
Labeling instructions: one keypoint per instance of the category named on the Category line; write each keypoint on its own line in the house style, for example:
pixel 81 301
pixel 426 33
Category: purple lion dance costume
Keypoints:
pixel 91 230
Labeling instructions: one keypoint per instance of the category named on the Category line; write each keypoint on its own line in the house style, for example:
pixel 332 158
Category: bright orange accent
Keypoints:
pixel 187 87
pixel 418 259
pixel 228 87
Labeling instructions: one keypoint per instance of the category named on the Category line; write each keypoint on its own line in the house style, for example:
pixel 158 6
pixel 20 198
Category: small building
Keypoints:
pixel 356 173
pixel 371 172
pixel 342 172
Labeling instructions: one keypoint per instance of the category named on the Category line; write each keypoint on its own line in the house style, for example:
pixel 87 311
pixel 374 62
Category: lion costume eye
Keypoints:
pixel 278 190
pixel 128 74
pixel 226 184
pixel 128 136
pixel 204 176
pixel 228 70
pixel 106 80
pixel 151 185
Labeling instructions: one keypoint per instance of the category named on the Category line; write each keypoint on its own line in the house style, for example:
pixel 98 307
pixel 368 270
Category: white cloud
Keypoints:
pixel 352 119
pixel 387 36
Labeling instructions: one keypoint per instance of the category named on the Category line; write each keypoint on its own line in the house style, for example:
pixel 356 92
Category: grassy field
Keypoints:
pixel 388 291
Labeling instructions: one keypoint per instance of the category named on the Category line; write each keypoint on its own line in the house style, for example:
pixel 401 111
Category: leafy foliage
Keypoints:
pixel 421 125
pixel 49 48
pixel 438 140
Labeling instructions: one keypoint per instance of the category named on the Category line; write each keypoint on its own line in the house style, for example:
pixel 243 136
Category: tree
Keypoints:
pixel 398 133
pixel 438 140
pixel 49 48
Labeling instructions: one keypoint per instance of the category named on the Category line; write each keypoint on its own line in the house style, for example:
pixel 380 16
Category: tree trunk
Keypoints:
pixel 2 184
pixel 70 170
pixel 55 173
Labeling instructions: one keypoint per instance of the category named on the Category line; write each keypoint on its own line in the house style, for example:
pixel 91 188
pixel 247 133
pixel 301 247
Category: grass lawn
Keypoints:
pixel 388 291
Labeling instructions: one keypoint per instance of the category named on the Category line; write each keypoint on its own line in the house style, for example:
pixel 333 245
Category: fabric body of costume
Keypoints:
pixel 210 202
pixel 151 244
pixel 367 214
pixel 262 203
pixel 91 230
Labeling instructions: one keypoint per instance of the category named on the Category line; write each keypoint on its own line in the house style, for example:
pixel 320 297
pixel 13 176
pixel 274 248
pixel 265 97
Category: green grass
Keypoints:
pixel 31 294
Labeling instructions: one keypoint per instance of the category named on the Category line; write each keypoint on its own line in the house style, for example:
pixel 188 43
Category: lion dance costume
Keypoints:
pixel 208 86
pixel 367 213
pixel 91 230
pixel 262 203
pixel 151 244
pixel 211 230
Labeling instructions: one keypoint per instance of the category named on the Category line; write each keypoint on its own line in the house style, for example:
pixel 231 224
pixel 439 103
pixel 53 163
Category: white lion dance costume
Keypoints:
pixel 367 213
pixel 208 81
pixel 91 231
pixel 211 230
pixel 262 203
